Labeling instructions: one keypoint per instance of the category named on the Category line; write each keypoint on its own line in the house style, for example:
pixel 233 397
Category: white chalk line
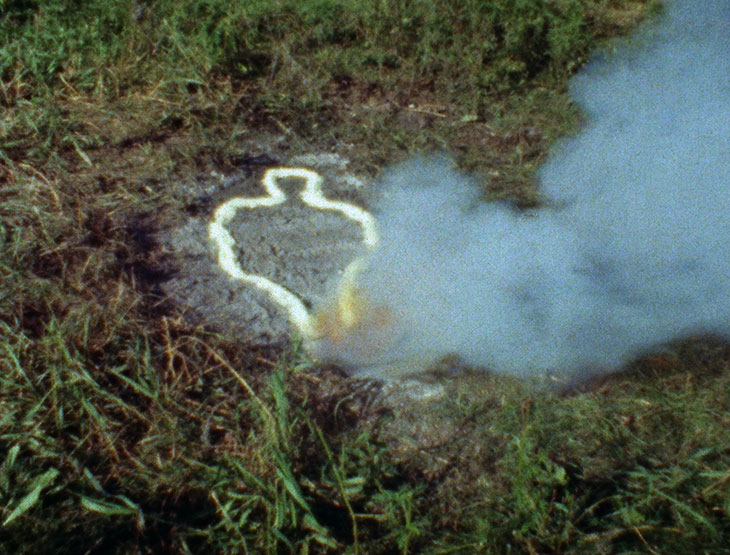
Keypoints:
pixel 311 194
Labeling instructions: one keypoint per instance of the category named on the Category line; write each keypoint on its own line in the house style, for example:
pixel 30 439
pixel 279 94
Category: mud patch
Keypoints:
pixel 279 234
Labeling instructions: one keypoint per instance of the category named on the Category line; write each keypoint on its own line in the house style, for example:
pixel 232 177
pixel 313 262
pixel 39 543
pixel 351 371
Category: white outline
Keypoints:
pixel 311 194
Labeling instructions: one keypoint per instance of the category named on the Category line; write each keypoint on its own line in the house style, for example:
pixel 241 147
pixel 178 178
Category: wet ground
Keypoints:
pixel 298 247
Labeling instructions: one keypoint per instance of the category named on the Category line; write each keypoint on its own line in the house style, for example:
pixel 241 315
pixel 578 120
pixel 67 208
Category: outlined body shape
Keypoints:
pixel 311 195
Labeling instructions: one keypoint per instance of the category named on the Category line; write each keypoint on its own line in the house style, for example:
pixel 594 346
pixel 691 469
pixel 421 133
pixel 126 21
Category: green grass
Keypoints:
pixel 124 428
